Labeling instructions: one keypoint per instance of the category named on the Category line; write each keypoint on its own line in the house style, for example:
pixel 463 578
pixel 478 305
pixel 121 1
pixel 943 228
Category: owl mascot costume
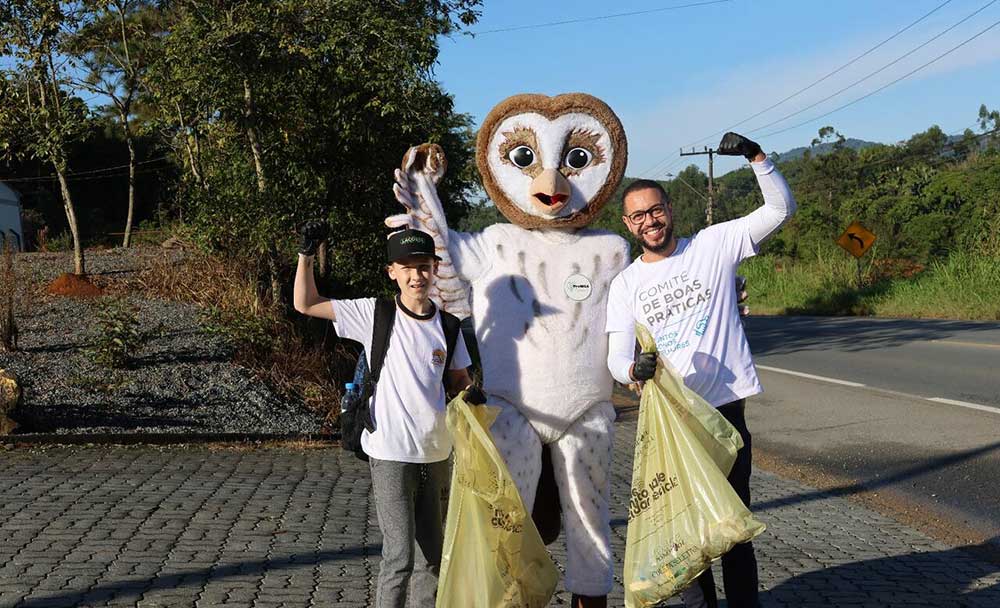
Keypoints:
pixel 539 290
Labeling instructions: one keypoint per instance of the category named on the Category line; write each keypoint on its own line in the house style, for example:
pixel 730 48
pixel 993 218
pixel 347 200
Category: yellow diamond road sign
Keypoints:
pixel 856 239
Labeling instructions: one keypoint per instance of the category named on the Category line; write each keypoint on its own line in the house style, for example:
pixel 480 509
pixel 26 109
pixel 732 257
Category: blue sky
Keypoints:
pixel 677 76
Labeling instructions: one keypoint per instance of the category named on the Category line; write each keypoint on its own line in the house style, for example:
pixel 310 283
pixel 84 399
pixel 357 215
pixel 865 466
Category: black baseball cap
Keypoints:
pixel 410 242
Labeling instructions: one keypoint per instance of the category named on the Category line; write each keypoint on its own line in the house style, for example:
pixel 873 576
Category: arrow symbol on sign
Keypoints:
pixel 855 237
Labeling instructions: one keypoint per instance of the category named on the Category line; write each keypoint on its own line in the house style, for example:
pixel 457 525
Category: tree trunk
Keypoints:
pixel 193 152
pixel 79 264
pixel 196 162
pixel 271 253
pixel 127 241
pixel 255 147
pixel 274 270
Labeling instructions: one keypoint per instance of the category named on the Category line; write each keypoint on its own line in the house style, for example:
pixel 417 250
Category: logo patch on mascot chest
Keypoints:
pixel 578 287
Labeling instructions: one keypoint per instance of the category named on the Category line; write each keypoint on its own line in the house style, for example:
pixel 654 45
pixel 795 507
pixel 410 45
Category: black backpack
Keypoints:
pixel 357 416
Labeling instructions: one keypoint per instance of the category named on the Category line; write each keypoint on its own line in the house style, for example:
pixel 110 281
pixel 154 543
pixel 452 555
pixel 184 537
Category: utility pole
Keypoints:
pixel 711 188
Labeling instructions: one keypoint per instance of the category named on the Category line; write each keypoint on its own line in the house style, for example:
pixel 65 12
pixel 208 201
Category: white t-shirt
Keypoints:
pixel 688 302
pixel 409 402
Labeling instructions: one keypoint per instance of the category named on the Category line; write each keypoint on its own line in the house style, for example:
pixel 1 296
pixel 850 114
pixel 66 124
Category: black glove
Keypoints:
pixel 734 144
pixel 475 395
pixel 644 367
pixel 313 232
pixel 741 295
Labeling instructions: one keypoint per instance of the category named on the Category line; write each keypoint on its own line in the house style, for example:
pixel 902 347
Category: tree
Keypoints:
pixel 39 114
pixel 288 109
pixel 989 122
pixel 113 46
pixel 929 145
pixel 965 146
pixel 826 134
pixel 688 195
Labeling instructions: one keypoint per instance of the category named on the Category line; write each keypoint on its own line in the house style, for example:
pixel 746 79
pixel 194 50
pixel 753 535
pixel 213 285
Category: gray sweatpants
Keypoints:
pixel 408 500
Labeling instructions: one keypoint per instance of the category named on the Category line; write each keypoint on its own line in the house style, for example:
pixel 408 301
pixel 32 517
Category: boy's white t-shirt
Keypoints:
pixel 409 402
pixel 688 302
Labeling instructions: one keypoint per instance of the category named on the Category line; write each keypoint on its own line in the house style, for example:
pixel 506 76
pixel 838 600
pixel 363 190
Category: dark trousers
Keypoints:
pixel 739 566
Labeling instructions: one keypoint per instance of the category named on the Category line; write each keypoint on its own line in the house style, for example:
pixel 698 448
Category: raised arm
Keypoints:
pixel 416 189
pixel 305 296
pixel 779 204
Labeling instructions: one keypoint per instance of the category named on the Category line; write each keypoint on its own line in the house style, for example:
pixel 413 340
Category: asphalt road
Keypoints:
pixel 956 360
pixel 905 407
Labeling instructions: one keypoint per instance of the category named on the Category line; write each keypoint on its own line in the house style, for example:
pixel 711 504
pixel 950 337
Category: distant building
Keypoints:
pixel 11 230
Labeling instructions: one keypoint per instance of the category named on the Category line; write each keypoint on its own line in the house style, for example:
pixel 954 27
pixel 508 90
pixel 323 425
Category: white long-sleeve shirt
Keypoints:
pixel 689 304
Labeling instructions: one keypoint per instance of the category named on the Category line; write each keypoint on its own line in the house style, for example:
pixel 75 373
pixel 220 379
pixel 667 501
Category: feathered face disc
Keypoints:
pixel 551 162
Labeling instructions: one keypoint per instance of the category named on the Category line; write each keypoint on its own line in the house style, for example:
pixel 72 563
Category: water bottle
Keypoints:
pixel 352 392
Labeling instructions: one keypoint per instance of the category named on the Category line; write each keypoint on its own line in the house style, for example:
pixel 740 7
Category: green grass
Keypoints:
pixel 961 286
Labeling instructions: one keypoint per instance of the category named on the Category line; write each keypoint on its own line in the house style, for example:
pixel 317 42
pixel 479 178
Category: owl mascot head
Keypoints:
pixel 538 301
pixel 551 162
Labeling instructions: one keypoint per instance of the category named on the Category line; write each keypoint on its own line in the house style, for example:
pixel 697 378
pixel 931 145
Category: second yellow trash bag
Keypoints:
pixel 493 556
pixel 682 511
pixel 719 438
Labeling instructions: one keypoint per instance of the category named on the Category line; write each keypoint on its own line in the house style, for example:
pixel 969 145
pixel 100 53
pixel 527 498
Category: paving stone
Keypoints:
pixel 188 526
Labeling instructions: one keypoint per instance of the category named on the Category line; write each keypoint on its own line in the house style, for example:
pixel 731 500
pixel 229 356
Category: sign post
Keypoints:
pixel 856 240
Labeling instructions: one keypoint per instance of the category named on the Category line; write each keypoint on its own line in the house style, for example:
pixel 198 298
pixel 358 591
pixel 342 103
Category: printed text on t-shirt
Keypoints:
pixel 674 296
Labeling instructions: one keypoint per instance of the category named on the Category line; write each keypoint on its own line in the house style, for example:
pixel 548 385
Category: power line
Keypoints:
pixel 685 182
pixel 114 175
pixel 78 173
pixel 881 69
pixel 665 169
pixel 883 87
pixel 659 167
pixel 814 83
pixel 828 75
pixel 597 18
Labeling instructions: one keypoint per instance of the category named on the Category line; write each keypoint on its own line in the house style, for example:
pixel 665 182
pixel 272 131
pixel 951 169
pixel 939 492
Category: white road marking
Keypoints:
pixel 810 376
pixel 973 344
pixel 966 404
pixel 974 406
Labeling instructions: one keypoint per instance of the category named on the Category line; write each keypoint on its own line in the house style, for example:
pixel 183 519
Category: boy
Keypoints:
pixel 409 448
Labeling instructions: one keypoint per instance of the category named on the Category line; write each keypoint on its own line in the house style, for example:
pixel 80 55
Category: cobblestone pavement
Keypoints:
pixel 269 527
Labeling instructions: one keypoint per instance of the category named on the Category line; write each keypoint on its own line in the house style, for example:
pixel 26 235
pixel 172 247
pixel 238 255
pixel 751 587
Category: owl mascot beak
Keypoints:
pixel 549 191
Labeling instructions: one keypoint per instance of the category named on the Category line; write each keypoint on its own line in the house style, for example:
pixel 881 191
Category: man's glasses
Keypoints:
pixel 657 212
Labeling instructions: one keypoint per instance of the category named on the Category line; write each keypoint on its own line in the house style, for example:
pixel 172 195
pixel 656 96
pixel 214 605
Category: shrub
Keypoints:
pixel 253 332
pixel 61 242
pixel 280 351
pixel 118 338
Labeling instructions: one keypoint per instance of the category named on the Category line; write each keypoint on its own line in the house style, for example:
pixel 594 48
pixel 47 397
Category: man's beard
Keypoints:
pixel 668 235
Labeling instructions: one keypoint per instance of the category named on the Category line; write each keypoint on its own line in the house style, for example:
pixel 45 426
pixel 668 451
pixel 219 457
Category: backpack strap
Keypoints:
pixel 452 329
pixel 385 319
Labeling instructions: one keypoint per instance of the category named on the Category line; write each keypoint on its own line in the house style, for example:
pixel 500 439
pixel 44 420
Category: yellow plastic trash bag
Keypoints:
pixel 682 511
pixel 710 428
pixel 493 556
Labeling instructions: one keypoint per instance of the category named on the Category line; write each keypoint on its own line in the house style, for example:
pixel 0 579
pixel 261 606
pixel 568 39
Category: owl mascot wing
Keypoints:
pixel 416 189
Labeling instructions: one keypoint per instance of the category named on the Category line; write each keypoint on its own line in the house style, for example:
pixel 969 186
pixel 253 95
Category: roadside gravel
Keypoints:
pixel 182 381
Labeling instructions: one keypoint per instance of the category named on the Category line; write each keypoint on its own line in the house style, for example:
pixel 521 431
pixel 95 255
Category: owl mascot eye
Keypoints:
pixel 539 290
